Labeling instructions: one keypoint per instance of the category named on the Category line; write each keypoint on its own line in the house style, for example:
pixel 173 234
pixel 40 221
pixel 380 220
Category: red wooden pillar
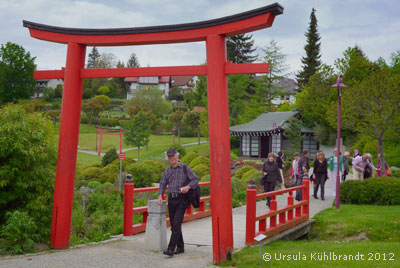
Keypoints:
pixel 218 116
pixel 67 146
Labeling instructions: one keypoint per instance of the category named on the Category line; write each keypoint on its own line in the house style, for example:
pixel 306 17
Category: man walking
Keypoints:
pixel 176 177
pixel 303 167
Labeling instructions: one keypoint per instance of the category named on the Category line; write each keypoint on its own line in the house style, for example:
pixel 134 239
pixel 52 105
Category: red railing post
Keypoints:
pixel 202 206
pixel 189 210
pixel 273 206
pixel 306 196
pixel 290 203
pixel 128 206
pixel 251 215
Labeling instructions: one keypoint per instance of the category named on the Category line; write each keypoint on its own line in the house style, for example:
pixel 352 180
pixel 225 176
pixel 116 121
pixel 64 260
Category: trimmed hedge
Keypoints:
pixel 189 158
pixel 201 170
pixel 246 176
pixel 200 160
pixel 239 174
pixel 377 191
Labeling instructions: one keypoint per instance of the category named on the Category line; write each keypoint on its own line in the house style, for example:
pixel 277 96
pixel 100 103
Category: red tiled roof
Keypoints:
pixel 131 79
pixel 198 109
pixel 164 79
pixel 177 81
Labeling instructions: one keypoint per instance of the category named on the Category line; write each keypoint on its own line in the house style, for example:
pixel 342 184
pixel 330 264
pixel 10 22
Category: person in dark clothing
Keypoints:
pixel 304 167
pixel 174 176
pixel 320 174
pixel 368 170
pixel 271 176
pixel 346 158
pixel 280 161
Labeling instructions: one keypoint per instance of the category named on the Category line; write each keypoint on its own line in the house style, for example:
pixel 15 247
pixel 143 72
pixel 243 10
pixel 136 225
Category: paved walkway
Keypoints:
pixel 129 252
pixel 130 149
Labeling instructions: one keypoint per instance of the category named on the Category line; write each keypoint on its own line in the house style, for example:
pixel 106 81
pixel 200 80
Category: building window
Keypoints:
pixel 287 97
pixel 276 143
pixel 254 146
pixel 311 145
pixel 246 145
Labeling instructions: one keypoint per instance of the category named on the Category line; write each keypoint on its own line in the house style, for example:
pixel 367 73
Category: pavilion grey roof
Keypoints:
pixel 264 124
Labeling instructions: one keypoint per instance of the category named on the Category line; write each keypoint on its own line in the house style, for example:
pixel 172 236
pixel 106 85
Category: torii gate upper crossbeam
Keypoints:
pixel 213 32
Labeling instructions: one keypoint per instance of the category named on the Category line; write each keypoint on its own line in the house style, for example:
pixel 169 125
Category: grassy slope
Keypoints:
pixel 381 224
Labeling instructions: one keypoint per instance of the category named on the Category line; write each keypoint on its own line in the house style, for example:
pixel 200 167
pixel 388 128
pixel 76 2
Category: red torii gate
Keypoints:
pixel 213 32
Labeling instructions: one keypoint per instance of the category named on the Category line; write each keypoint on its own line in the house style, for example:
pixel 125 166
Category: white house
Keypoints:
pixel 136 83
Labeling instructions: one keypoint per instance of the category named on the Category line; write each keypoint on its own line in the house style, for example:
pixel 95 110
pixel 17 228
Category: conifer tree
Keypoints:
pixel 240 49
pixel 93 59
pixel 133 61
pixel 311 61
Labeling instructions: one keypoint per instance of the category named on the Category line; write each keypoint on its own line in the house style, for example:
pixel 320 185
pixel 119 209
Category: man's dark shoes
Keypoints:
pixel 168 252
pixel 315 197
pixel 179 251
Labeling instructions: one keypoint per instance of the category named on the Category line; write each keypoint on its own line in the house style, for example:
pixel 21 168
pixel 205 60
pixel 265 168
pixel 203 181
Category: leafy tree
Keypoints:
pixel 103 90
pixel 133 61
pixel 177 118
pixel 277 60
pixel 175 94
pixel 27 170
pixel 311 61
pixel 93 59
pixel 58 91
pixel 151 98
pixel 138 131
pixel 87 93
pixel 154 120
pixel 372 106
pixel 48 93
pixel 53 115
pixel 192 119
pixel 204 123
pixel 107 60
pixel 199 96
pixel 109 156
pixel 293 133
pixel 16 73
pixel 94 106
pixel 240 48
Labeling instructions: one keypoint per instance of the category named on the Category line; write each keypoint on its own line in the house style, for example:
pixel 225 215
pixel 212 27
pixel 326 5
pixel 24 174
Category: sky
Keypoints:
pixel 372 25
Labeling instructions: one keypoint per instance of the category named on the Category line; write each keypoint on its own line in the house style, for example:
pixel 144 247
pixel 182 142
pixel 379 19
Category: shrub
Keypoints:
pixel 236 185
pixel 287 166
pixel 91 174
pixel 19 233
pixel 240 197
pixel 141 175
pixel 246 176
pixel 200 160
pixel 109 122
pixel 379 191
pixel 256 176
pixel 94 184
pixel 27 165
pixel 156 170
pixel 234 156
pixel 109 173
pixel 205 190
pixel 179 148
pixel 158 166
pixel 201 170
pixel 239 174
pixel 189 158
pixel 109 156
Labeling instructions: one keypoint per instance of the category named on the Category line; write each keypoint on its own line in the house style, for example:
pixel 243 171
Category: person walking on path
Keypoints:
pixel 294 172
pixel 346 158
pixel 280 162
pixel 175 177
pixel 368 169
pixel 320 174
pixel 271 176
pixel 304 167
pixel 333 167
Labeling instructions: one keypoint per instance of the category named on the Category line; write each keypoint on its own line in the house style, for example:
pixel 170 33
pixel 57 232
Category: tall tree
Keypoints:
pixel 93 59
pixel 277 67
pixel 133 61
pixel 240 48
pixel 192 119
pixel 151 98
pixel 372 106
pixel 293 133
pixel 177 118
pixel 138 131
pixel 277 60
pixel 16 73
pixel 311 61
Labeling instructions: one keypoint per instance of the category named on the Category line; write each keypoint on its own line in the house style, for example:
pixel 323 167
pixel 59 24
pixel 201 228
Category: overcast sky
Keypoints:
pixel 372 25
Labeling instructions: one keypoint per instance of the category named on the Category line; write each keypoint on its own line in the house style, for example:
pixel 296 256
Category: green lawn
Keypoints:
pixel 335 232
pixel 311 250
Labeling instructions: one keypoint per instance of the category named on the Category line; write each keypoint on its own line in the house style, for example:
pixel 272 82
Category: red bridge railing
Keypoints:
pixel 129 210
pixel 288 216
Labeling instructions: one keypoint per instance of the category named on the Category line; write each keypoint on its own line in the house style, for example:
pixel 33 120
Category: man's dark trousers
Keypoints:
pixel 176 208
